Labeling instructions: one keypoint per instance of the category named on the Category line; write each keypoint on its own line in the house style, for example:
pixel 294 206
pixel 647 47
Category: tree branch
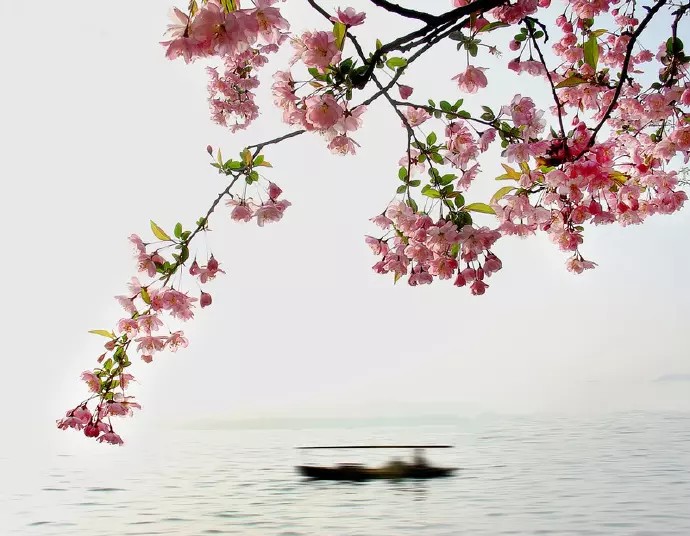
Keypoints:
pixel 478 6
pixel 263 144
pixel 405 12
pixel 559 105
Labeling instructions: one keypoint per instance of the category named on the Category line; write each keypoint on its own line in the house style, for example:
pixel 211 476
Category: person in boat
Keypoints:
pixel 418 459
pixel 396 465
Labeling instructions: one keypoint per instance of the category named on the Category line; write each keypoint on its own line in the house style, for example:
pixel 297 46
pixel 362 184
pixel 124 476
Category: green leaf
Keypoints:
pixel 412 204
pixel 102 333
pixel 339 31
pixel 570 82
pixel 258 160
pixel 401 189
pixel 674 46
pixel 445 106
pixel 493 26
pixel 480 207
pixel 472 48
pixel 599 33
pixel 431 138
pixel 402 173
pixel 502 192
pixel 108 364
pixel 434 194
pixel 158 232
pixel 459 200
pixel 246 156
pixel 145 296
pixel 447 179
pixel 591 50
pixel 414 183
pixel 394 63
pixel 178 230
pixel 379 44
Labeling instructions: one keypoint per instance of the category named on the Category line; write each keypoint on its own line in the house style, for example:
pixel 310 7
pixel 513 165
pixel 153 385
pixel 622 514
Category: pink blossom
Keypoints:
pixel 110 437
pixel 150 344
pixel 126 303
pixel 343 145
pixel 323 112
pixel 209 272
pixel 579 265
pixel 138 243
pixel 472 79
pixel 270 22
pixel 205 299
pixel 178 303
pixel 147 263
pixel 274 191
pixel 478 287
pixel 92 381
pixel 128 326
pixel 177 340
pixel 443 266
pixel 382 221
pixel 685 97
pixel 271 211
pixel 351 120
pixel 149 323
pixel 317 49
pixel 349 17
pixel 379 247
pixel 486 138
pixel 405 91
pixel 415 116
pixel 241 211
pixel 134 286
pixel 125 379
pixel 412 160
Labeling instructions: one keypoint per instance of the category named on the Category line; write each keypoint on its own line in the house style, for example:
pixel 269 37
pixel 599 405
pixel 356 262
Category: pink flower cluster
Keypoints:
pixel 94 424
pixel 424 249
pixel 320 111
pixel 616 181
pixel 215 32
pixel 271 210
pixel 241 38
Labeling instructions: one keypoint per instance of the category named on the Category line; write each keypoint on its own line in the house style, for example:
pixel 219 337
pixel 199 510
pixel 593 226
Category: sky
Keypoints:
pixel 100 133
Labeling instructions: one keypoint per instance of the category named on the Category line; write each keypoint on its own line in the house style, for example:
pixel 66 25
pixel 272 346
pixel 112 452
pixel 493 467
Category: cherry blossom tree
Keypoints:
pixel 607 149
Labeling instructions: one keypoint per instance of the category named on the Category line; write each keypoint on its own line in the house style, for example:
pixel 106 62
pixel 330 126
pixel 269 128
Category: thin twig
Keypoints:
pixel 260 146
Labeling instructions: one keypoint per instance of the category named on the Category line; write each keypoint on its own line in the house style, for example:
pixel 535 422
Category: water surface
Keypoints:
pixel 623 474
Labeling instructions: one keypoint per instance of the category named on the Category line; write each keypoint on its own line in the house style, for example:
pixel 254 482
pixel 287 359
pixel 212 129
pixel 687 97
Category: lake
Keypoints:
pixel 626 474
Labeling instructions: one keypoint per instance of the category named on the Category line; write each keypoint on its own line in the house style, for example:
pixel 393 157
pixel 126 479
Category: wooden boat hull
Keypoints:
pixel 359 473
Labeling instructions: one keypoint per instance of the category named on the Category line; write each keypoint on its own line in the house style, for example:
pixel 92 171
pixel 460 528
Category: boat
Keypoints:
pixel 395 470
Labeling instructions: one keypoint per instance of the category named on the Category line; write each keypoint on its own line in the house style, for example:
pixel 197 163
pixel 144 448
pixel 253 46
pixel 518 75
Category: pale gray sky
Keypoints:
pixel 101 133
